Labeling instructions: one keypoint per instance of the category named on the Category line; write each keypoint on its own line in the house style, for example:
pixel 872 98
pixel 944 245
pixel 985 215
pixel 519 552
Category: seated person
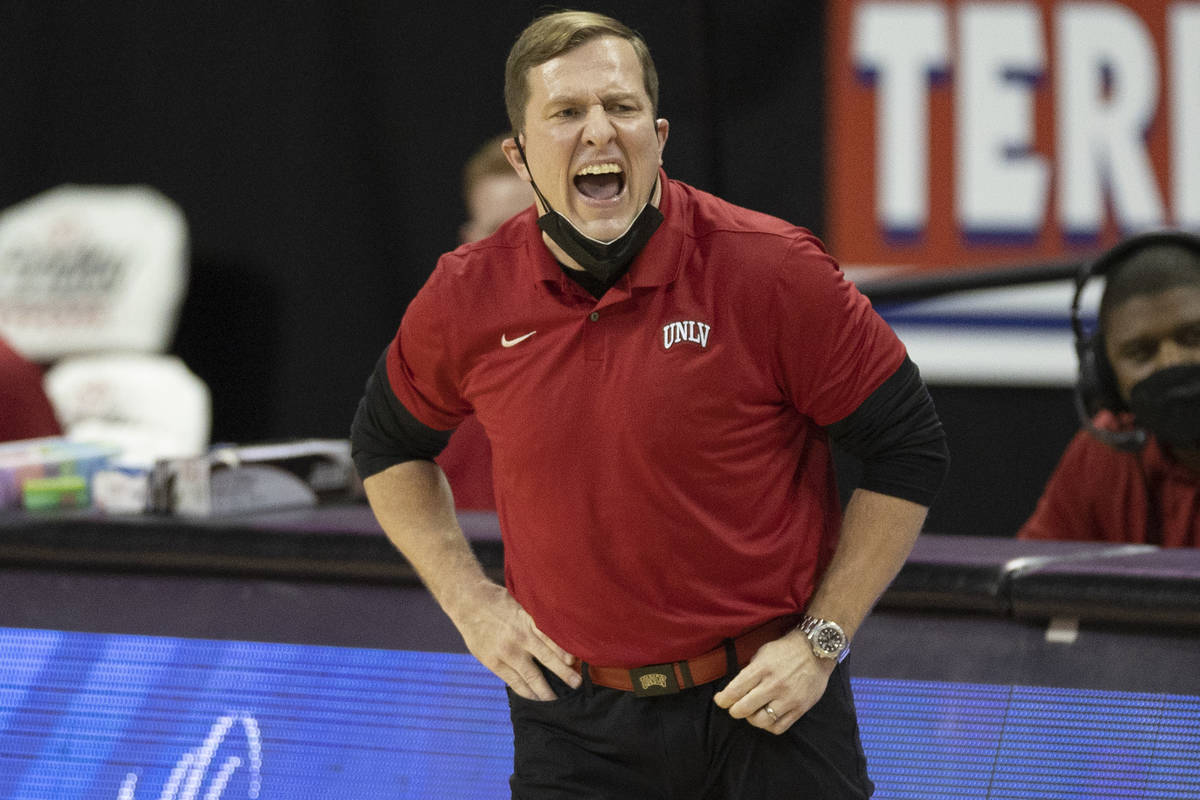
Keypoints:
pixel 25 410
pixel 1133 473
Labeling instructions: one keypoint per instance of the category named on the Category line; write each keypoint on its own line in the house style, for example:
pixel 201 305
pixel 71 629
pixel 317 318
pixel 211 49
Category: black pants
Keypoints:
pixel 607 744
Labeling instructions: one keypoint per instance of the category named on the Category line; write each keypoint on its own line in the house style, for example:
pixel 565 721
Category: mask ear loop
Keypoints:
pixel 532 182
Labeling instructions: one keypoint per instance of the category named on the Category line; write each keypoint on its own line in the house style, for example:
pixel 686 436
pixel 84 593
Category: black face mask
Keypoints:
pixel 604 260
pixel 1168 404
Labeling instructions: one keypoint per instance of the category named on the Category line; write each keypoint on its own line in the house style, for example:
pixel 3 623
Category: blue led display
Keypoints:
pixel 134 717
pixel 927 740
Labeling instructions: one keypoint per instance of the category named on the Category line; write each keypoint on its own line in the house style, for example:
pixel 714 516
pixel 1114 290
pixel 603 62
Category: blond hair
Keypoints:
pixel 554 34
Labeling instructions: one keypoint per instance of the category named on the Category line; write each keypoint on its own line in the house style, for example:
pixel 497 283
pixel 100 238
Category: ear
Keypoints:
pixel 513 154
pixel 661 128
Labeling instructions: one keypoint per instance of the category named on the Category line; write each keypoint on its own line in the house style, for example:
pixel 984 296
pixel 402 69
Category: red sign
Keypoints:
pixel 992 133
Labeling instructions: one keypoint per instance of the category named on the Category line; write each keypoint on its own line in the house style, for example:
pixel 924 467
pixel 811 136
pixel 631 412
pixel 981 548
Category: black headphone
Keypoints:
pixel 1096 387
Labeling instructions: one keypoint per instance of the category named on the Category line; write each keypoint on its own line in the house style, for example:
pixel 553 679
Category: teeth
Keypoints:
pixel 599 169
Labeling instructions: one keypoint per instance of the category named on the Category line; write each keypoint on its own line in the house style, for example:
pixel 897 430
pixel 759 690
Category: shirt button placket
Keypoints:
pixel 593 339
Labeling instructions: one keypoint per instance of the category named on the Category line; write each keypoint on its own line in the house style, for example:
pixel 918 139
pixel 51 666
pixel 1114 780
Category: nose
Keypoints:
pixel 598 129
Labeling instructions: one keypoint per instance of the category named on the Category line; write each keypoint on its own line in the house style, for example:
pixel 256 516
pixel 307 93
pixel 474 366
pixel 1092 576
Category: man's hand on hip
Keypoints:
pixel 502 635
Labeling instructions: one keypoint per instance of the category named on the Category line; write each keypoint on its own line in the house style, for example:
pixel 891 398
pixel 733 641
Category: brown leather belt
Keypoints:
pixel 670 678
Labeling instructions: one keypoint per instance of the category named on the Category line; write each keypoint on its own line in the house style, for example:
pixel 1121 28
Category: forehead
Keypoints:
pixel 607 64
pixel 1155 314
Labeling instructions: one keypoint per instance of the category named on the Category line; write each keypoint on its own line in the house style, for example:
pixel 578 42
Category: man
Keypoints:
pixel 659 373
pixel 492 194
pixel 1133 473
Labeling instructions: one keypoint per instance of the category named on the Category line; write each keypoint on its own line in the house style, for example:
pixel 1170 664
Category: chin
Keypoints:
pixel 607 231
pixel 606 237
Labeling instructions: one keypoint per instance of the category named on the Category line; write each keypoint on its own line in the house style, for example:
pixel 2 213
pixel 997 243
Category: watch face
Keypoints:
pixel 830 639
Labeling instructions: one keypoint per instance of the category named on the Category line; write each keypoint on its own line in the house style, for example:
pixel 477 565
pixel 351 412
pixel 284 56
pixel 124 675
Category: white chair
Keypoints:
pixel 92 279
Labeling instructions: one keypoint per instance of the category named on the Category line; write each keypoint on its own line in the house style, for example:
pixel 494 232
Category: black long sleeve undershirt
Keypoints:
pixel 385 433
pixel 898 437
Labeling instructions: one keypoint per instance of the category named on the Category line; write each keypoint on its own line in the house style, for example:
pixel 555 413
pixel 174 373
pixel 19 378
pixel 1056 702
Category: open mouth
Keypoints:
pixel 600 181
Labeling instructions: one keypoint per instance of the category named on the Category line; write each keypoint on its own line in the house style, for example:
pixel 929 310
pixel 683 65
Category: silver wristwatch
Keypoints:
pixel 827 638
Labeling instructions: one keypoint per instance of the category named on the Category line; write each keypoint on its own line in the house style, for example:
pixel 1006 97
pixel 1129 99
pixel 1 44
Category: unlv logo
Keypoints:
pixel 686 331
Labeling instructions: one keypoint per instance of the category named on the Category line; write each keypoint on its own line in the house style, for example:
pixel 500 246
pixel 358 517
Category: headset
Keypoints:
pixel 1096 387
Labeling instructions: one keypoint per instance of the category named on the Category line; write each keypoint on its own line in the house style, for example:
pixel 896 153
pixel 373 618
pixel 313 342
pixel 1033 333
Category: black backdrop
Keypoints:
pixel 314 147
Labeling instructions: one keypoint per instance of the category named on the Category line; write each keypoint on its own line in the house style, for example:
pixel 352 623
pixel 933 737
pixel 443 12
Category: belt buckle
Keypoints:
pixel 654 680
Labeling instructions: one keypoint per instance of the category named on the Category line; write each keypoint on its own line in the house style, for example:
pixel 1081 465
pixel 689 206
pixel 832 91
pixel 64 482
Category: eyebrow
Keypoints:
pixel 1142 339
pixel 571 98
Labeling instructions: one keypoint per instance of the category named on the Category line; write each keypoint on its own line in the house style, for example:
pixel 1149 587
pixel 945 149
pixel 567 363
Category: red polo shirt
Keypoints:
pixel 1099 493
pixel 467 462
pixel 662 479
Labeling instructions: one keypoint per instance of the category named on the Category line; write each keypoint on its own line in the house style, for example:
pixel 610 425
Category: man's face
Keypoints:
pixel 1151 332
pixel 592 143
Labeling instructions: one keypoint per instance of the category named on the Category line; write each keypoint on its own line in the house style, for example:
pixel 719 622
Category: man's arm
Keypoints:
pixel 412 502
pixel 878 532
pixel 900 439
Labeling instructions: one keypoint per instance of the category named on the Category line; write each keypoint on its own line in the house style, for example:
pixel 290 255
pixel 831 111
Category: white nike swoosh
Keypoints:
pixel 507 342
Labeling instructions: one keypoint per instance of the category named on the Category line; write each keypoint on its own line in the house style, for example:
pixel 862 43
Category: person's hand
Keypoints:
pixel 784 676
pixel 501 634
